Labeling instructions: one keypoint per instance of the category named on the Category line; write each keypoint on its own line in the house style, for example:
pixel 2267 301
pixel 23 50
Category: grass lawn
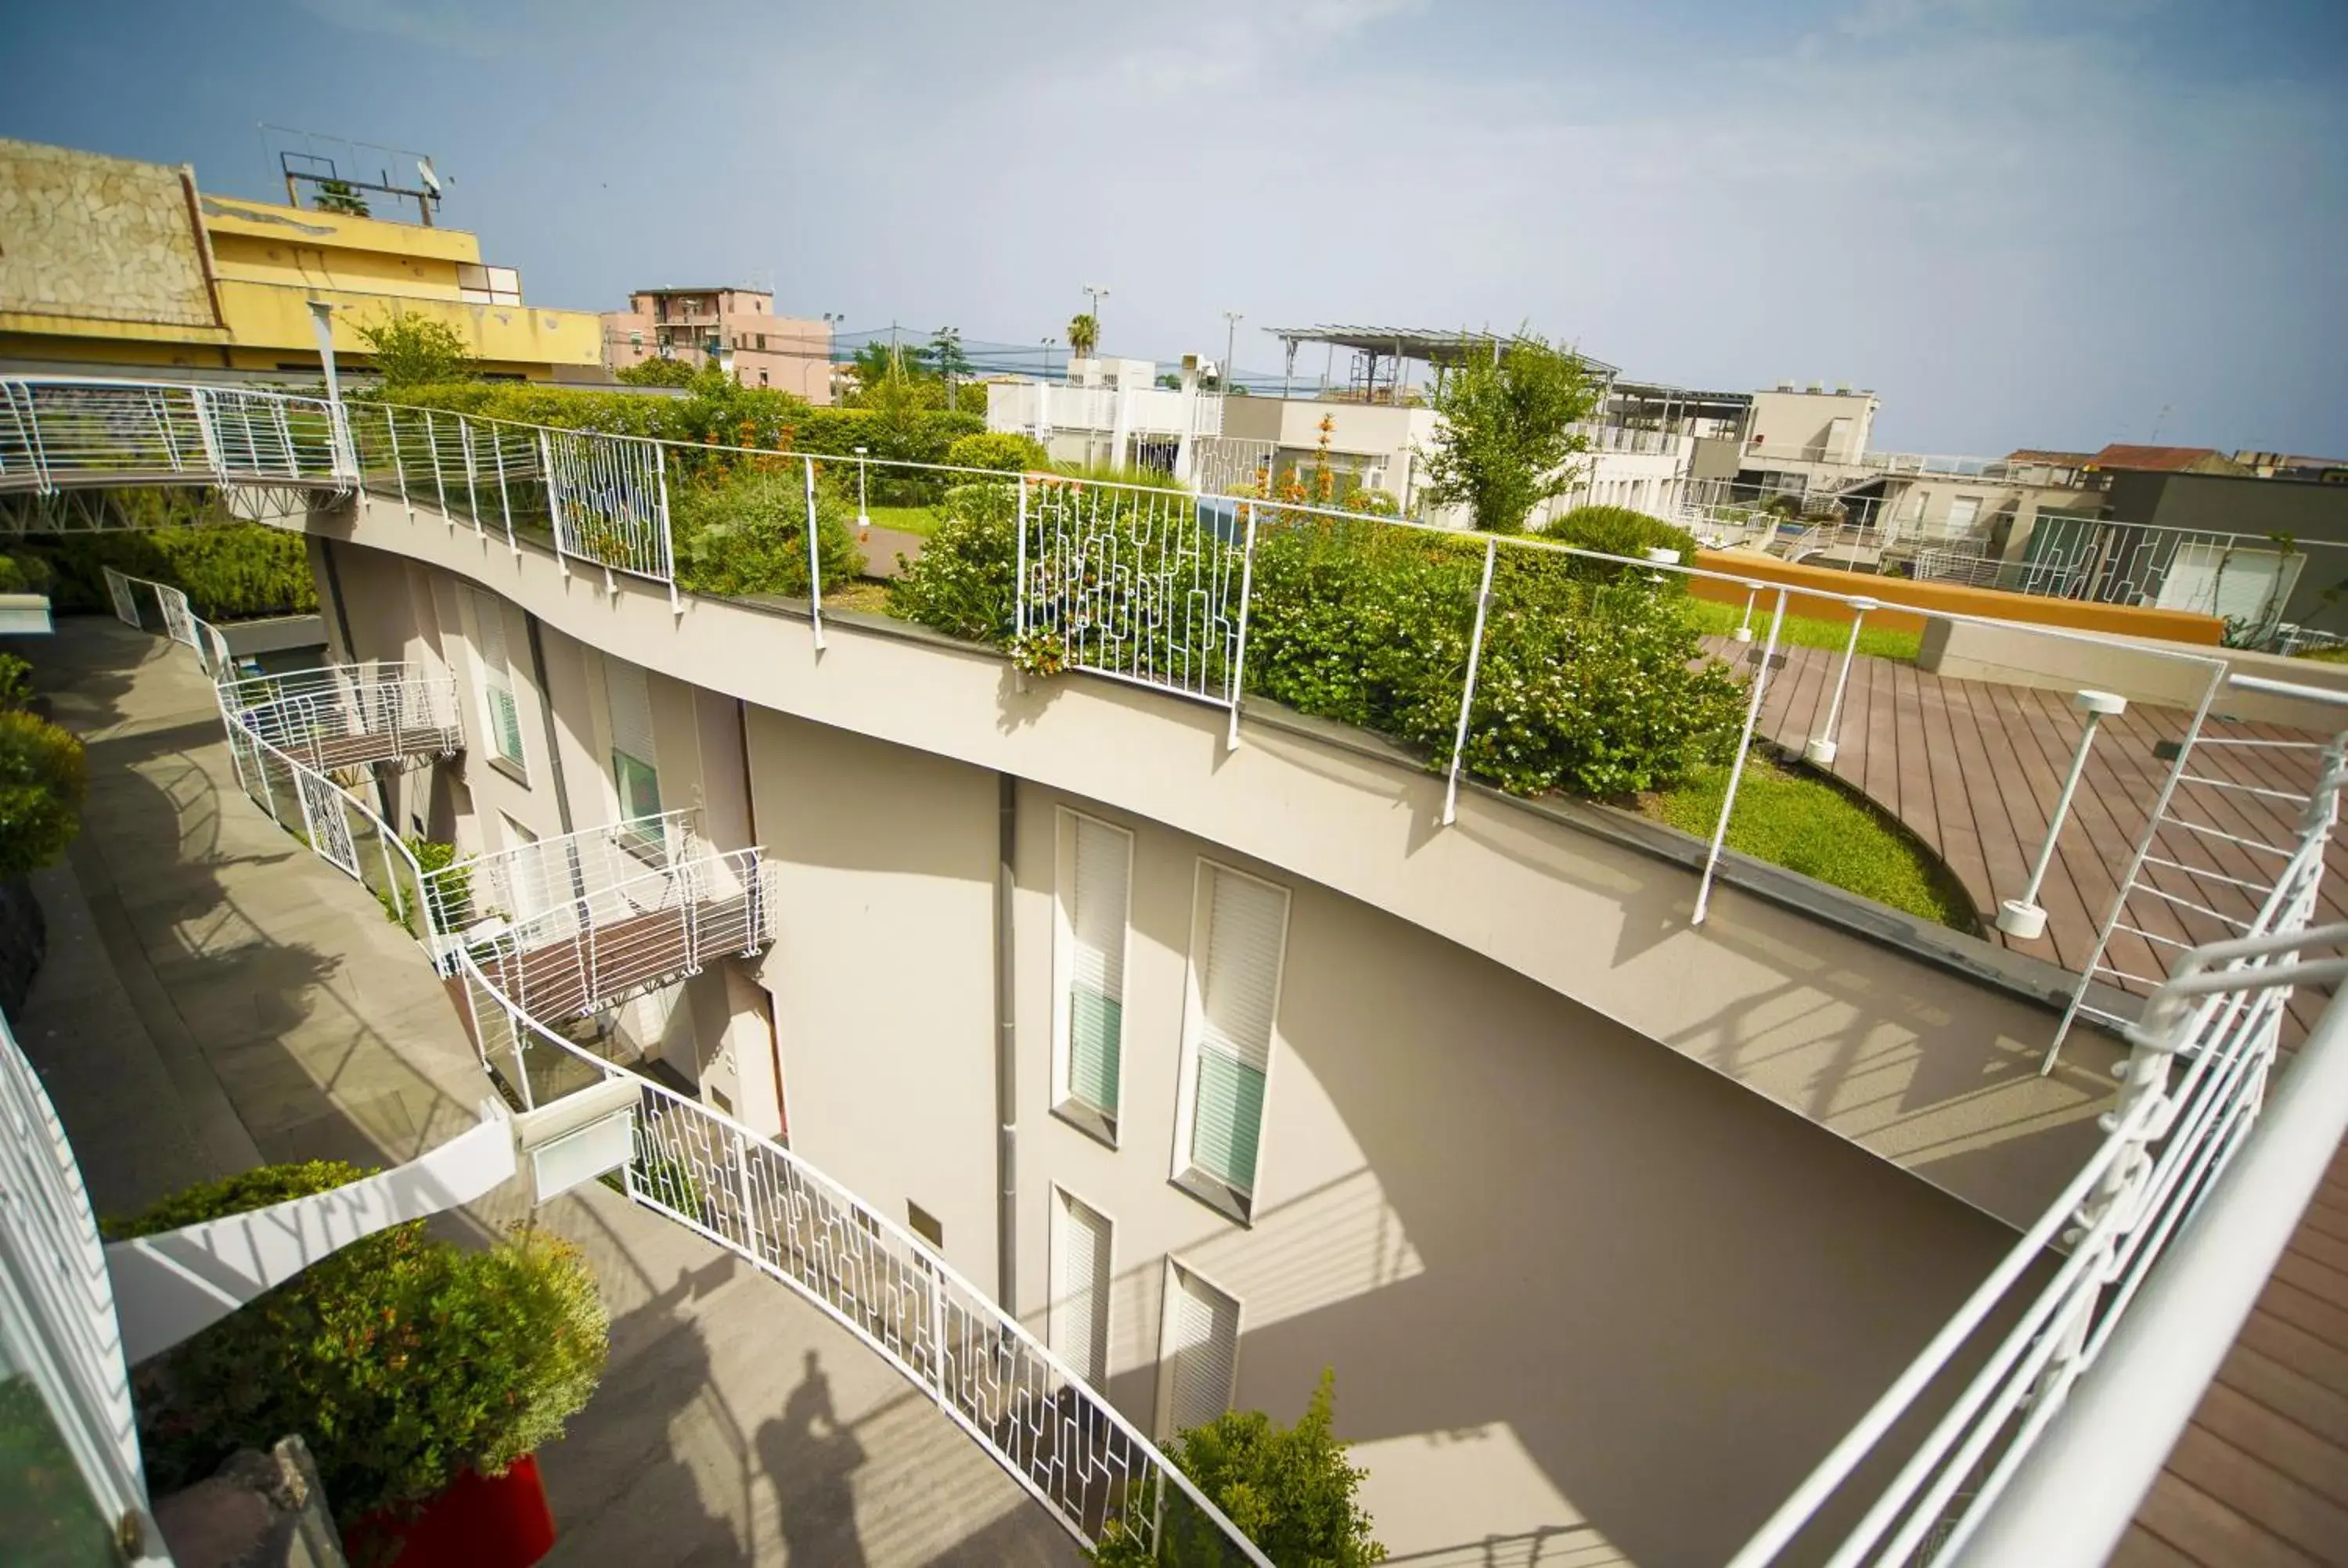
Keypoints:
pixel 1802 631
pixel 919 520
pixel 1808 825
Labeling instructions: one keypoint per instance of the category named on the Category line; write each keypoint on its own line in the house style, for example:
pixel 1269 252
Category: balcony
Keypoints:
pixel 569 927
pixel 350 715
pixel 1042 407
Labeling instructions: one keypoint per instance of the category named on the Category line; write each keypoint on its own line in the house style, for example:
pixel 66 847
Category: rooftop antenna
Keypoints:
pixel 333 187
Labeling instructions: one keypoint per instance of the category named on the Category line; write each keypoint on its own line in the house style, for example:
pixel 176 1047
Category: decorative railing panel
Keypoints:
pixel 351 715
pixel 58 433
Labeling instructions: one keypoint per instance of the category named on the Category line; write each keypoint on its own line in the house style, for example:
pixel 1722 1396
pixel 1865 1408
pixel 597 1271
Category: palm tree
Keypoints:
pixel 1084 332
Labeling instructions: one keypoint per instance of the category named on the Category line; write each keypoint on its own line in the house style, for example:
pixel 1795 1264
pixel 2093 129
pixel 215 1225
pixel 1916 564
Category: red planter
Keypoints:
pixel 480 1521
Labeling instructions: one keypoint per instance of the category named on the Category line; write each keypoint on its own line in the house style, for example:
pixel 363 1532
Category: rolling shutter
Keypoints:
pixel 1082 1312
pixel 1202 1341
pixel 1238 990
pixel 1096 925
pixel 497 677
pixel 635 765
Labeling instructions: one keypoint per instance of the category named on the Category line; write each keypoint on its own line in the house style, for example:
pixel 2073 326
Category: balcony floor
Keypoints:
pixel 216 995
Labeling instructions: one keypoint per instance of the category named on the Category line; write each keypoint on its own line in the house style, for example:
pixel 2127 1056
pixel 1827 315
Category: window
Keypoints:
pixel 496 682
pixel 1080 1312
pixel 761 339
pixel 1239 925
pixel 1095 868
pixel 1198 1363
pixel 762 378
pixel 635 766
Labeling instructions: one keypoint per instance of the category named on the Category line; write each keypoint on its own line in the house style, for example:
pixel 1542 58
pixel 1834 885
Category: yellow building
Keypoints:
pixel 107 265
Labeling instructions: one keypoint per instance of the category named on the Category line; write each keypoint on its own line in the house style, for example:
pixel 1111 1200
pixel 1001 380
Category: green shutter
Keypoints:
pixel 1228 1120
pixel 1095 1025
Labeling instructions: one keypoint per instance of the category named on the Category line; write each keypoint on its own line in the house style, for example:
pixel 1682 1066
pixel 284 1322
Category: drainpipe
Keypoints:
pixel 546 716
pixel 1006 1072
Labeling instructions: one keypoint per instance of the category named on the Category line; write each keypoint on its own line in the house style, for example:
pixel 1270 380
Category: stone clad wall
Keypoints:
pixel 99 238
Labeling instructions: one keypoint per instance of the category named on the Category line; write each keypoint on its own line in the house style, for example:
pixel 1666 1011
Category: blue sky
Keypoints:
pixel 2042 224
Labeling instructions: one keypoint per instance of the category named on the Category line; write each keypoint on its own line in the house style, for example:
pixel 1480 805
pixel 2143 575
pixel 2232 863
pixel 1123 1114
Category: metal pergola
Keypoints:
pixel 1383 352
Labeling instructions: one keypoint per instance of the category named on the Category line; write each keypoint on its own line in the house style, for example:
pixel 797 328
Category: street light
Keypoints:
pixel 1230 335
pixel 1048 345
pixel 1096 295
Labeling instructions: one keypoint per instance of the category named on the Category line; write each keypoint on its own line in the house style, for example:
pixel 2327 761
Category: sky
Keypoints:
pixel 2046 224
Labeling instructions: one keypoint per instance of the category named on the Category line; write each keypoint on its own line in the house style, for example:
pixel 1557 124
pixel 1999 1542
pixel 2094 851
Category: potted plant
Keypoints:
pixel 424 1376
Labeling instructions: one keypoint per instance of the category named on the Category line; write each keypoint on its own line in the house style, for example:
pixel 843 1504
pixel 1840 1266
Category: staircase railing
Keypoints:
pixel 344 715
pixel 62 432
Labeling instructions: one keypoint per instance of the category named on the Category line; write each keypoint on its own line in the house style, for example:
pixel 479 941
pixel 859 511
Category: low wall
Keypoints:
pixel 273 635
pixel 1946 597
pixel 2016 656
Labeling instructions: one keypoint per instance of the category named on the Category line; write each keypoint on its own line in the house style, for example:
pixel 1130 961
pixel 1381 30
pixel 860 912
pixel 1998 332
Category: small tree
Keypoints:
pixel 659 370
pixel 1504 445
pixel 1289 1490
pixel 416 351
pixel 339 196
pixel 1084 335
pixel 43 778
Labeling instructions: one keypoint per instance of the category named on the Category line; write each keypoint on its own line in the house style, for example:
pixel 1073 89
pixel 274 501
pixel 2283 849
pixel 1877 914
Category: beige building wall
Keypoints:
pixel 1802 426
pixel 883 971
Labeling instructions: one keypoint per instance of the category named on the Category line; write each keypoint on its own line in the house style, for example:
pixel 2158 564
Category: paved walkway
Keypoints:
pixel 217 996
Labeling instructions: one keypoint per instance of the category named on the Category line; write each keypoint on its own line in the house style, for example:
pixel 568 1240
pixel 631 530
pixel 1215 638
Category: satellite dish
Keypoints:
pixel 431 181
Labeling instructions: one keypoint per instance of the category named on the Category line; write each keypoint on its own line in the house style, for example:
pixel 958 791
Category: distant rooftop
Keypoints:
pixel 2165 459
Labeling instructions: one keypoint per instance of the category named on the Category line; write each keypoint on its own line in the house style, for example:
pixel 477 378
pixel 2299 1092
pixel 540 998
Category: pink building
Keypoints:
pixel 737 328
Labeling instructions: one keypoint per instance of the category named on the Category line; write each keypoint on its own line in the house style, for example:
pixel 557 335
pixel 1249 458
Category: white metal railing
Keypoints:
pixel 348 715
pixel 1058 1436
pixel 2247 580
pixel 575 924
pixel 58 1333
pixel 2190 1094
pixel 1623 439
pixel 62 432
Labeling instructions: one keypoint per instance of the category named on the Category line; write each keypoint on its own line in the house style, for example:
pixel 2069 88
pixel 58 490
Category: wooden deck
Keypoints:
pixel 554 983
pixel 1974 769
pixel 2260 1477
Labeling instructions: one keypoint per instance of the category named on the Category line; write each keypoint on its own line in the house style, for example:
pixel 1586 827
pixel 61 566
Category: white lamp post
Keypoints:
pixel 2022 916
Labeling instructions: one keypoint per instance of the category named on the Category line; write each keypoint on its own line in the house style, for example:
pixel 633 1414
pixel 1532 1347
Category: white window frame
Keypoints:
pixel 1056 1304
pixel 1207 1187
pixel 618 672
pixel 497 678
pixel 1163 1415
pixel 1093 1120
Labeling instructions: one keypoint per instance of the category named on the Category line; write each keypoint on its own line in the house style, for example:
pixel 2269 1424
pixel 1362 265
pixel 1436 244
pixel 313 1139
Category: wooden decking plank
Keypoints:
pixel 2275 1439
pixel 2140 1548
pixel 2306 1311
pixel 2279 1339
pixel 2261 1493
pixel 1879 775
pixel 2007 816
pixel 2290 1393
pixel 2016 751
pixel 2208 1532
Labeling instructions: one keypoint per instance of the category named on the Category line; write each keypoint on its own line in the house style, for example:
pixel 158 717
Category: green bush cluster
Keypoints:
pixel 1290 1490
pixel 1005 451
pixel 43 779
pixel 1591 683
pixel 1621 531
pixel 401 1360
pixel 229 571
pixel 744 531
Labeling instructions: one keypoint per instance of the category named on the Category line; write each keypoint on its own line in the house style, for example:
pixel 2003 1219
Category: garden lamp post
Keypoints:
pixel 2022 916
pixel 863 515
pixel 1820 752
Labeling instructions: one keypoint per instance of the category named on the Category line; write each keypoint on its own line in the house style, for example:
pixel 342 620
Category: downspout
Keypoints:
pixel 1006 1073
pixel 546 717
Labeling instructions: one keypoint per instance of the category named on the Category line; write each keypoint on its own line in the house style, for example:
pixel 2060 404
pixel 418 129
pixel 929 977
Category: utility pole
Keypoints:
pixel 1231 320
pixel 1097 296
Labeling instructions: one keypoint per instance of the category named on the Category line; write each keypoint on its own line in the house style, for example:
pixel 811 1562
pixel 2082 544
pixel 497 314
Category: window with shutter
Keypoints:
pixel 497 678
pixel 1095 868
pixel 635 765
pixel 1201 1352
pixel 1081 1305
pixel 1235 992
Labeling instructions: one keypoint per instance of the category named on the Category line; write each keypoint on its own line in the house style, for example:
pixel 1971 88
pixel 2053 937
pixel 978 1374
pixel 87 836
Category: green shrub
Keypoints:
pixel 16 682
pixel 43 779
pixel 229 571
pixel 663 1181
pixel 451 895
pixel 415 350
pixel 1002 450
pixel 659 370
pixel 401 1360
pixel 745 532
pixel 1587 686
pixel 1289 1490
pixel 26 573
pixel 1144 478
pixel 962 583
pixel 1621 531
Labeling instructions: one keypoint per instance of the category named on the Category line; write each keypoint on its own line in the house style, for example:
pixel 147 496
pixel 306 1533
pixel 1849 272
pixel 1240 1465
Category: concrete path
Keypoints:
pixel 217 996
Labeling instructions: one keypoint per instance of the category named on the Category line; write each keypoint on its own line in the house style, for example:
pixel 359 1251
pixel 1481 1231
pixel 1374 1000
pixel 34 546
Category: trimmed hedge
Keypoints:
pixel 229 571
pixel 745 531
pixel 1592 686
